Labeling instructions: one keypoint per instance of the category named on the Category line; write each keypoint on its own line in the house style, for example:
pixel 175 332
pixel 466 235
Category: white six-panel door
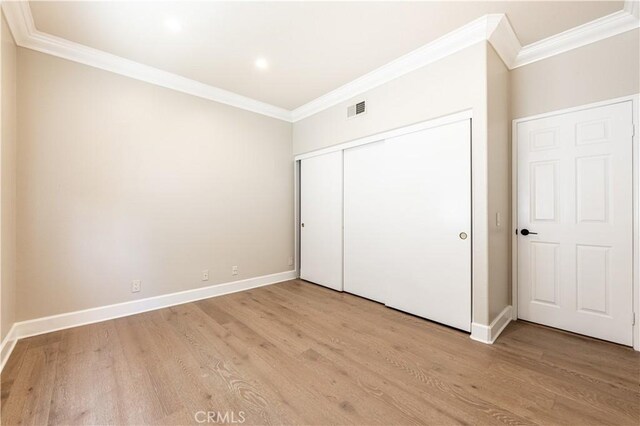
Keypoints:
pixel 575 199
pixel 321 220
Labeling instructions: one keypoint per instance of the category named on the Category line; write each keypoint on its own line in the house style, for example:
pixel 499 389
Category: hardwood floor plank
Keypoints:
pixel 42 379
pixel 334 385
pixel 10 372
pixel 155 394
pixel 607 392
pixel 589 356
pixel 32 385
pixel 241 393
pixel 297 353
pixel 318 390
pixel 585 408
pixel 395 359
pixel 283 371
pixel 335 346
pixel 189 373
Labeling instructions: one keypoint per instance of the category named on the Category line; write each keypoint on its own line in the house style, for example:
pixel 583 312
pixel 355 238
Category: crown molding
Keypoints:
pixel 20 20
pixel 503 39
pixel 26 35
pixel 493 28
pixel 591 32
pixel 465 36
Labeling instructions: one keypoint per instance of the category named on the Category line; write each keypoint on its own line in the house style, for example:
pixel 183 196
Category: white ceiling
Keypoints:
pixel 311 47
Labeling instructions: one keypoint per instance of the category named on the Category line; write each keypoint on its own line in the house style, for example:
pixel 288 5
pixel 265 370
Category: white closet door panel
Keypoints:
pixel 429 206
pixel 365 261
pixel 321 220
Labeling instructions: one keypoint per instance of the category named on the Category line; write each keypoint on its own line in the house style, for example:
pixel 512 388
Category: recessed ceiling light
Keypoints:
pixel 173 25
pixel 261 63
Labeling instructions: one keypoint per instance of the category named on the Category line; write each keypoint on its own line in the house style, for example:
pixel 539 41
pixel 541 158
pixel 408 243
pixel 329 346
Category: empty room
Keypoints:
pixel 320 213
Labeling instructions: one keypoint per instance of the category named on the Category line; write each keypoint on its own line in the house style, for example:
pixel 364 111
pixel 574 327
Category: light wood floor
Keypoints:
pixel 297 353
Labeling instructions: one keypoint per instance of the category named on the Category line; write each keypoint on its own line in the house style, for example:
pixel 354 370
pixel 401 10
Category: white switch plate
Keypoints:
pixel 205 275
pixel 291 261
pixel 135 286
pixel 498 221
pixel 234 270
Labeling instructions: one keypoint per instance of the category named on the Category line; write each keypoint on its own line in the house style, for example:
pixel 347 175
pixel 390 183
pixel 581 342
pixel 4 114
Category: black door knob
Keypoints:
pixel 526 232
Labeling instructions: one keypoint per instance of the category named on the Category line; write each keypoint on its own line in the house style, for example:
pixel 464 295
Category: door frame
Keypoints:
pixel 634 99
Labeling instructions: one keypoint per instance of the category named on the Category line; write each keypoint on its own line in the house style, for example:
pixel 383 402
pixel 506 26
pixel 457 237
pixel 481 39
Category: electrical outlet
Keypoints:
pixel 234 270
pixel 205 275
pixel 291 261
pixel 135 286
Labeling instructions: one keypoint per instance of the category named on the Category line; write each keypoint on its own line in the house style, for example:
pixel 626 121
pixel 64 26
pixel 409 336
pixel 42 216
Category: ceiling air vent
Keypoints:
pixel 356 109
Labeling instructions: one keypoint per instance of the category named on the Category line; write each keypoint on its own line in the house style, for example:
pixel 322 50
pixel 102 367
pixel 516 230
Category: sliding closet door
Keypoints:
pixel 321 220
pixel 365 261
pixel 429 228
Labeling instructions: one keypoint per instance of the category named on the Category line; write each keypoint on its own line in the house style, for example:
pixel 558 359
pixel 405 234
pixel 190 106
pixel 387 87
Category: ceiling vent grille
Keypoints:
pixel 356 109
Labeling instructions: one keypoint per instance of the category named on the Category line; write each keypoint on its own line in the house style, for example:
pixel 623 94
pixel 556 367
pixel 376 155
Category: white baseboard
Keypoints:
pixel 8 343
pixel 43 325
pixel 489 333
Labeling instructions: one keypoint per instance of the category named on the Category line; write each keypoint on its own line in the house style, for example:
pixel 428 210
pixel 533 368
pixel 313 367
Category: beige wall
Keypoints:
pixel 499 178
pixel 453 84
pixel 8 179
pixel 121 180
pixel 604 70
